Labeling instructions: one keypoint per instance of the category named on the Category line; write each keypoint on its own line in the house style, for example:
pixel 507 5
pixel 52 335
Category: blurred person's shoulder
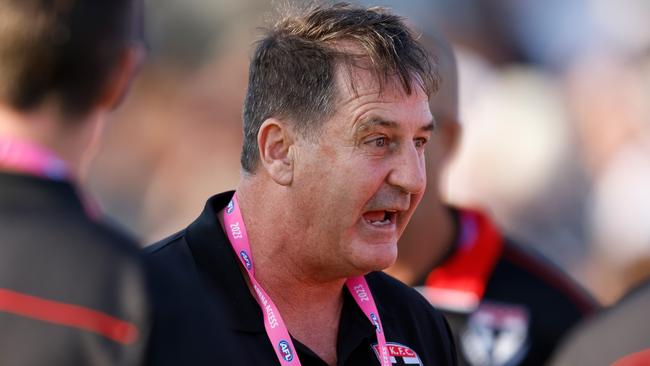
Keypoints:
pixel 55 259
pixel 71 256
pixel 51 218
pixel 613 333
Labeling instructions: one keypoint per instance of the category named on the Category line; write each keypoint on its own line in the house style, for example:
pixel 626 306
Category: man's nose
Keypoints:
pixel 409 172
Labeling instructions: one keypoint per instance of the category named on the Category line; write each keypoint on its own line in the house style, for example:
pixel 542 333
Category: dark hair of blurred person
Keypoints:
pixel 72 289
pixel 506 305
pixel 335 122
pixel 66 53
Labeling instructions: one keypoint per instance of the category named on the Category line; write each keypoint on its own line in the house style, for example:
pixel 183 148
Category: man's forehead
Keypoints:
pixel 358 83
pixel 390 109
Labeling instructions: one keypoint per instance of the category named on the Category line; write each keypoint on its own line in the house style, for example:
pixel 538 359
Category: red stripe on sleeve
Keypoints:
pixel 68 315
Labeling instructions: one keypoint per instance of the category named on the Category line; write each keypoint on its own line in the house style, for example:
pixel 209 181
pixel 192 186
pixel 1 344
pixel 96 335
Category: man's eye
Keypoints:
pixel 378 142
pixel 420 142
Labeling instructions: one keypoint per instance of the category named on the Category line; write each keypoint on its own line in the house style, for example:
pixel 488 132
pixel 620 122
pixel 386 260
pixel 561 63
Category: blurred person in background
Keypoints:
pixel 574 170
pixel 609 95
pixel 72 289
pixel 619 158
pixel 335 122
pixel 506 304
pixel 183 115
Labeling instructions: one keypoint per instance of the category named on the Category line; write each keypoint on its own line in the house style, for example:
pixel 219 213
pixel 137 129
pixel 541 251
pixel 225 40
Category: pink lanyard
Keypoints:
pixel 29 158
pixel 275 327
pixel 26 157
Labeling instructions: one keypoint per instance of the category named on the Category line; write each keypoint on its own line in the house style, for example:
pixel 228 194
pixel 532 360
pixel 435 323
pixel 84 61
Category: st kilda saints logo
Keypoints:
pixel 496 335
pixel 399 354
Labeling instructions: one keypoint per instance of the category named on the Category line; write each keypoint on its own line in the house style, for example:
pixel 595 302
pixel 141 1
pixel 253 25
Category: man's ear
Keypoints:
pixel 274 141
pixel 120 78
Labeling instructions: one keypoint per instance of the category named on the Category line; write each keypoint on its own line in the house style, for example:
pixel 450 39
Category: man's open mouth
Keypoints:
pixel 381 217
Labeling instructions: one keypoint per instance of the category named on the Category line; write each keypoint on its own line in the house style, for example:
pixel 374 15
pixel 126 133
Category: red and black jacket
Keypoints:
pixel 72 290
pixel 506 305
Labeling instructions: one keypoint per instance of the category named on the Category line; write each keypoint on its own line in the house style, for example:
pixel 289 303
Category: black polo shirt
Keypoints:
pixel 72 290
pixel 234 331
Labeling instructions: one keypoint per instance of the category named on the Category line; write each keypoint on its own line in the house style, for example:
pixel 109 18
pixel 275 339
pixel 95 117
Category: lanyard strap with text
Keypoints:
pixel 275 327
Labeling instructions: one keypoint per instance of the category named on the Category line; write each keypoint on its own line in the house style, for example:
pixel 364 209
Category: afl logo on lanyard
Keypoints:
pixel 375 321
pixel 246 259
pixel 285 350
pixel 230 207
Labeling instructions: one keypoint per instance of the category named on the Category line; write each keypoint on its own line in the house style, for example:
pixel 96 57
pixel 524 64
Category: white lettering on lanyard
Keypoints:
pixel 270 315
pixel 361 293
pixel 236 230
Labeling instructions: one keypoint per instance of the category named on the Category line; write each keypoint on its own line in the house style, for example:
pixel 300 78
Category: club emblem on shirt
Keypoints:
pixel 399 354
pixel 496 334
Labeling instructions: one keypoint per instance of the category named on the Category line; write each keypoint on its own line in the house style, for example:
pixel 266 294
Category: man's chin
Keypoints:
pixel 376 257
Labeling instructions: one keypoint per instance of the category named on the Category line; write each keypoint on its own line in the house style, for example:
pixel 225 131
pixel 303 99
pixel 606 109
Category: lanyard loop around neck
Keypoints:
pixel 29 158
pixel 275 327
pixel 25 157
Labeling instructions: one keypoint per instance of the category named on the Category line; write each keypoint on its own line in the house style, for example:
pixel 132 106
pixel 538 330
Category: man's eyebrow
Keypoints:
pixel 369 123
pixel 430 126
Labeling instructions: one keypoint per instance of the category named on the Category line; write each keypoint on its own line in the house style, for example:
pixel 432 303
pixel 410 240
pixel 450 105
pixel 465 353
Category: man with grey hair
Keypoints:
pixel 336 118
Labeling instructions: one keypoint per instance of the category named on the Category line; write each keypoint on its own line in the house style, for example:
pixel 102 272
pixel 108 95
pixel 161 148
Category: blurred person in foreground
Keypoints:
pixel 620 333
pixel 72 290
pixel 336 118
pixel 506 305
